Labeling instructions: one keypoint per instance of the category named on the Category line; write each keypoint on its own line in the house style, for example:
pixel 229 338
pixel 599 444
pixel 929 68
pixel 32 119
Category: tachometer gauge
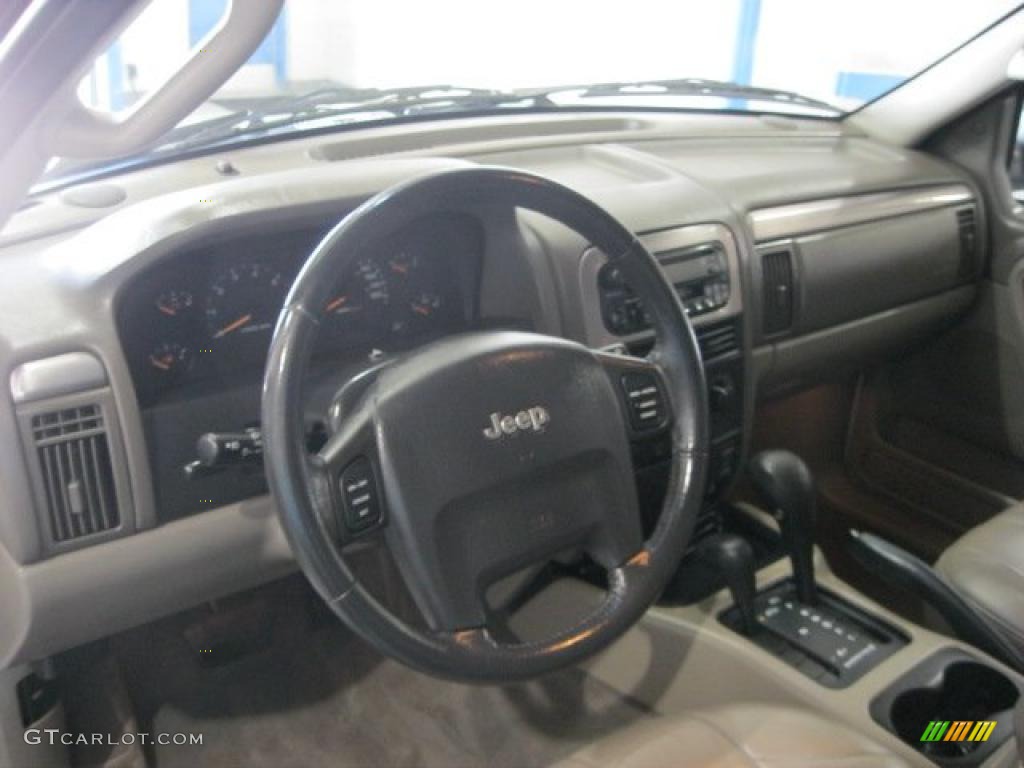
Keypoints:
pixel 359 305
pixel 170 359
pixel 174 303
pixel 241 309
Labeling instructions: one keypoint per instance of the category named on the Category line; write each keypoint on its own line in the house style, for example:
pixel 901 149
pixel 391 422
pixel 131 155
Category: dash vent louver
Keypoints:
pixel 71 446
pixel 717 340
pixel 777 268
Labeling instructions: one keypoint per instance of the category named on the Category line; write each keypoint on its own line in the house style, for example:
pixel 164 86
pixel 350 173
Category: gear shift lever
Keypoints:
pixel 787 485
pixel 733 557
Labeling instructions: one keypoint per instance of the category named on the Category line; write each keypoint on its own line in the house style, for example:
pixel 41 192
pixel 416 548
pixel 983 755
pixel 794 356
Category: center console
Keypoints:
pixel 819 633
pixel 830 641
pixel 702 264
pixel 951 706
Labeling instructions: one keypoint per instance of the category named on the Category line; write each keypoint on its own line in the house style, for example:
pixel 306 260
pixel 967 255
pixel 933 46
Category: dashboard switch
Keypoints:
pixel 357 487
pixel 221 449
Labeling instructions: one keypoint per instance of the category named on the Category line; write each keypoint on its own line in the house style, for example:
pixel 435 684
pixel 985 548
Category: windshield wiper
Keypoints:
pixel 680 87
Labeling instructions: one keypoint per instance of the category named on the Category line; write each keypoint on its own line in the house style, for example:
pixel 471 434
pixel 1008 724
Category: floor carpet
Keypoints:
pixel 318 696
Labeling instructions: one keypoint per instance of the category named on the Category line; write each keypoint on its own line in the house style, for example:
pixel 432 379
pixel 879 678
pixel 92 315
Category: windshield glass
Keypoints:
pixel 333 63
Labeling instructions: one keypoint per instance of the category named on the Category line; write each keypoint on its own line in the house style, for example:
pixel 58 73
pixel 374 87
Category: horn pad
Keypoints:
pixel 499 450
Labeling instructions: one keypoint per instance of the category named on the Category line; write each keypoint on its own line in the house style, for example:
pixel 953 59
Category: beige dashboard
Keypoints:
pixel 874 239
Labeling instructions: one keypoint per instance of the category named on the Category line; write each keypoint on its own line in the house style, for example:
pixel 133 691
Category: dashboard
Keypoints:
pixel 203 319
pixel 150 322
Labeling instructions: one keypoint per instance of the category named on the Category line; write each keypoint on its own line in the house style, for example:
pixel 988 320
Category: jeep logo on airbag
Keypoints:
pixel 528 420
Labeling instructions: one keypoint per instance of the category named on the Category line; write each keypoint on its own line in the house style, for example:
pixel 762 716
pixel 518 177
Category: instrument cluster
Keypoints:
pixel 207 316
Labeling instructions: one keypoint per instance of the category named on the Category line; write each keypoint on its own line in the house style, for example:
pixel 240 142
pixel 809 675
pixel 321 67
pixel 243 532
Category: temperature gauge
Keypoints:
pixel 174 303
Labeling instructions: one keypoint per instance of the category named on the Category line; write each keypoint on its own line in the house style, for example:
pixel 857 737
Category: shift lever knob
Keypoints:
pixel 787 485
pixel 732 556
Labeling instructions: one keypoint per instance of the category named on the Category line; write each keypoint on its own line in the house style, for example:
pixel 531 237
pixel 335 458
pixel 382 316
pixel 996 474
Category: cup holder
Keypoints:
pixel 953 687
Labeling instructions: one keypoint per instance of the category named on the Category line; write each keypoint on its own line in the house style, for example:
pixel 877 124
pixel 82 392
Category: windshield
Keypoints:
pixel 333 63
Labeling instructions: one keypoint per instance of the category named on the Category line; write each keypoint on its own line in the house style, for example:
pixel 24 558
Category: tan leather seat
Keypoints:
pixel 986 565
pixel 744 736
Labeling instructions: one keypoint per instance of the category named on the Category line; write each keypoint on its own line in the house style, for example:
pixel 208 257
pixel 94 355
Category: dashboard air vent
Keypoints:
pixel 777 267
pixel 77 475
pixel 717 340
pixel 967 227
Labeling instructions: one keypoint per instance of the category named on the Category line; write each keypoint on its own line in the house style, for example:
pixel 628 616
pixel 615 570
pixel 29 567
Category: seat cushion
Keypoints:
pixel 986 565
pixel 744 736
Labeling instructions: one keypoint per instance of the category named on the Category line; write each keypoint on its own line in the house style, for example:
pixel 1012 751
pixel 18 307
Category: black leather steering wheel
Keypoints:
pixel 485 452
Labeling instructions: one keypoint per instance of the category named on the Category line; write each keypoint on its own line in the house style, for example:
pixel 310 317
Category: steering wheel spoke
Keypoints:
pixel 349 474
pixel 643 392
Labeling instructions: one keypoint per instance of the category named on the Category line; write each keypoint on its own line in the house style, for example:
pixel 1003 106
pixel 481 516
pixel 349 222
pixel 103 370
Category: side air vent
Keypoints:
pixel 718 339
pixel 967 227
pixel 777 269
pixel 76 471
pixel 74 450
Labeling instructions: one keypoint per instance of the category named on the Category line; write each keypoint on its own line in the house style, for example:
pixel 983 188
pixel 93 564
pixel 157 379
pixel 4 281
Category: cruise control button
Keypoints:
pixel 359 497
pixel 644 400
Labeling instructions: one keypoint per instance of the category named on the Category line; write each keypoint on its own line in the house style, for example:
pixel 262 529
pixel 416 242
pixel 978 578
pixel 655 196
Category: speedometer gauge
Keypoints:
pixel 241 309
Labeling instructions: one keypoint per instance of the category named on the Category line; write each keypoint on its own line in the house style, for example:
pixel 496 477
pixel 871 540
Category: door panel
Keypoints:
pixel 942 430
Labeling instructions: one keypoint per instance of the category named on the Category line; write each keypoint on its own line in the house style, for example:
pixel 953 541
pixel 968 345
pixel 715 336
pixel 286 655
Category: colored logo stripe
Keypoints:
pixel 982 730
pixel 958 730
pixel 936 730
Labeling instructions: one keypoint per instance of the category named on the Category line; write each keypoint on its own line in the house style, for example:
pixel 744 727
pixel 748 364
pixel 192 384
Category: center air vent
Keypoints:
pixel 967 227
pixel 76 472
pixel 777 269
pixel 717 340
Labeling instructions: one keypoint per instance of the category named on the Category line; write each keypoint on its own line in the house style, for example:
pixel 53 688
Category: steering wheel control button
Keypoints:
pixel 644 401
pixel 360 499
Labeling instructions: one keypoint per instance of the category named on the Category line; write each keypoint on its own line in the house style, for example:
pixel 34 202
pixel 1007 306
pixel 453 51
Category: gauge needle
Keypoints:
pixel 401 269
pixel 337 303
pixel 419 309
pixel 163 363
pixel 166 310
pixel 232 326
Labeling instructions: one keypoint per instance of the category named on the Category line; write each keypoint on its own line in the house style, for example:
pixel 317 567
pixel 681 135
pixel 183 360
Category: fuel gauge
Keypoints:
pixel 422 311
pixel 170 359
pixel 426 304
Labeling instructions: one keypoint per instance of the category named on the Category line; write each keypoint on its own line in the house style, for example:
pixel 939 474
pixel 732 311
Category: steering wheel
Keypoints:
pixel 482 453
